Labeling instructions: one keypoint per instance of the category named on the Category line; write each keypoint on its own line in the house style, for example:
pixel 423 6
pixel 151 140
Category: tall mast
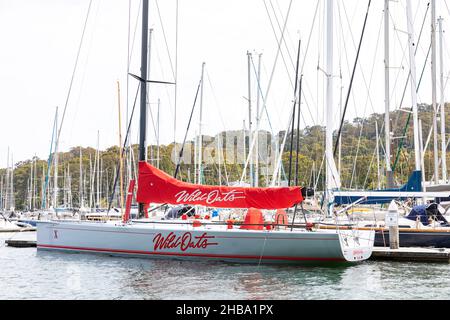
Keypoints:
pixel 55 176
pixel 34 182
pixel 378 155
pixel 387 129
pixel 433 90
pixel 13 204
pixel 329 100
pixel 413 85
pixel 97 164
pixel 120 149
pixel 442 105
pixel 218 153
pixel 143 109
pixel 81 180
pixel 257 122
pixel 250 136
pixel 199 157
pixel 7 181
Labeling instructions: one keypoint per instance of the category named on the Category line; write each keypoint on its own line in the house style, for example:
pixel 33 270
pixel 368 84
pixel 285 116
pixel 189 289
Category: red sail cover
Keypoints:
pixel 157 186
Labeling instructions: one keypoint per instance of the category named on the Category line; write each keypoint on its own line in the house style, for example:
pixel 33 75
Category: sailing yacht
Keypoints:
pixel 254 241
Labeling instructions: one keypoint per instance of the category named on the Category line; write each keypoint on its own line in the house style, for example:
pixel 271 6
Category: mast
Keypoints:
pixel 143 109
pixel 120 149
pixel 257 122
pixel 7 181
pixel 13 204
pixel 34 182
pixel 378 155
pixel 219 151
pixel 97 169
pixel 433 90
pixel 55 175
pixel 387 129
pixel 250 136
pixel 91 183
pixel 329 101
pixel 199 157
pixel 442 105
pixel 413 85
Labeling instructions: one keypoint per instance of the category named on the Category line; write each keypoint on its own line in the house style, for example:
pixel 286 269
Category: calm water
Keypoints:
pixel 28 274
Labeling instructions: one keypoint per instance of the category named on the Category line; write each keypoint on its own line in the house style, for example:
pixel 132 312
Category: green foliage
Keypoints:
pixel 358 160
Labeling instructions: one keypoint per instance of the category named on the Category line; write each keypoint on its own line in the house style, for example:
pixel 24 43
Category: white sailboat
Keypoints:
pixel 200 239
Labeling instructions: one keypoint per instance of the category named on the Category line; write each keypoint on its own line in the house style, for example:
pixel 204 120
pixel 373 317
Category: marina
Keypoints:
pixel 180 171
pixel 85 276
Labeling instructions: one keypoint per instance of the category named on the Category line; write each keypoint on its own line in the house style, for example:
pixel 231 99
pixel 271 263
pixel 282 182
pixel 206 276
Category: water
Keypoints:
pixel 29 274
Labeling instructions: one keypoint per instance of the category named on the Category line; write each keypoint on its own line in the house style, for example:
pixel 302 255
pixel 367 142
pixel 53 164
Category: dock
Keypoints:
pixel 17 229
pixel 411 254
pixel 21 243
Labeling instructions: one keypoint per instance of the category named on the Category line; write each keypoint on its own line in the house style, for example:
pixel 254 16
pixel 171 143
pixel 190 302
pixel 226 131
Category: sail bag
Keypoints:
pixel 156 186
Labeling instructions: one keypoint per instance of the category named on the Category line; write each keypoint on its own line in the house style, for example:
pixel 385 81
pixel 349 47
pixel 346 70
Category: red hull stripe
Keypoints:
pixel 222 237
pixel 191 254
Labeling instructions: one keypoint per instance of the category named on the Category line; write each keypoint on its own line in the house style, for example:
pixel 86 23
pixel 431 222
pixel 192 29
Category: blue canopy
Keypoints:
pixel 426 211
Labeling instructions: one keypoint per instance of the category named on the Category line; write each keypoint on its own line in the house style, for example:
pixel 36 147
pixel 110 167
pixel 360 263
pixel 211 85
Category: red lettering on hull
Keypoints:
pixel 183 242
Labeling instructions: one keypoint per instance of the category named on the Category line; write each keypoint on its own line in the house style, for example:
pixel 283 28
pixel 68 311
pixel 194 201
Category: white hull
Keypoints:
pixel 171 240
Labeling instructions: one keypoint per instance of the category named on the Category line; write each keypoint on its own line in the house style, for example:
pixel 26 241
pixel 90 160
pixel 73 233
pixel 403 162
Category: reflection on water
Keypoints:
pixel 28 274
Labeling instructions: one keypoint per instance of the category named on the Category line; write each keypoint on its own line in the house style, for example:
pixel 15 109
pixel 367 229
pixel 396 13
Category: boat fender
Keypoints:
pixel 229 224
pixel 196 223
pixel 206 217
pixel 184 216
pixel 197 216
pixel 269 226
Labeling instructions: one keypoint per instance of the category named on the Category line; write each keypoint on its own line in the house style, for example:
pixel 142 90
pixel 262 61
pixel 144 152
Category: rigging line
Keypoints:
pixel 134 33
pixel 351 79
pixel 73 74
pixel 268 89
pixel 409 71
pixel 293 114
pixel 309 37
pixel 365 105
pixel 281 41
pixel 284 61
pixel 220 115
pixel 151 115
pixel 290 57
pixel 165 39
pixel 348 67
pixel 354 45
pixel 262 97
pixel 371 161
pixel 215 99
pixel 123 149
pixel 409 114
pixel 287 34
pixel 298 130
pixel 83 76
pixel 404 49
pixel 128 52
pixel 169 100
pixel 187 130
pixel 176 80
pixel 180 156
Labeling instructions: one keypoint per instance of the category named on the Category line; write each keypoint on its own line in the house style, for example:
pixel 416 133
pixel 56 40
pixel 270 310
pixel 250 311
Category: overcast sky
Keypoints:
pixel 40 40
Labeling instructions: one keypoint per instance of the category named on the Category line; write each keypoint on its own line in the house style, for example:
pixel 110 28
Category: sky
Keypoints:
pixel 40 40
